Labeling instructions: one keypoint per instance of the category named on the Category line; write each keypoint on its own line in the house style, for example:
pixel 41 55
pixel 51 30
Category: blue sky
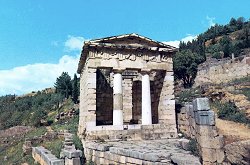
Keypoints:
pixel 41 38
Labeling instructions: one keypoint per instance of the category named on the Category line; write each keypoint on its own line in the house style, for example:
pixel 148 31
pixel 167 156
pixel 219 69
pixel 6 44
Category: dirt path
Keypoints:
pixel 232 131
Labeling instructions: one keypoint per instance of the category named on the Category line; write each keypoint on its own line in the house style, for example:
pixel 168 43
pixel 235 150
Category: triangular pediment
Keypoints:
pixel 130 40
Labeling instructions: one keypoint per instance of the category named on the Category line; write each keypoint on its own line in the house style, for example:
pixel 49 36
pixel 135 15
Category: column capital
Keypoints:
pixel 118 70
pixel 145 71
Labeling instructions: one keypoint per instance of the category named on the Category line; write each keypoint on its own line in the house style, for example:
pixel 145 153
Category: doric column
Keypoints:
pixel 146 99
pixel 117 98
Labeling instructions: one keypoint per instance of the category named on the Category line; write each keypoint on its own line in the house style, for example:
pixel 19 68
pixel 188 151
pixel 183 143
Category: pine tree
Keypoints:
pixel 75 89
pixel 63 85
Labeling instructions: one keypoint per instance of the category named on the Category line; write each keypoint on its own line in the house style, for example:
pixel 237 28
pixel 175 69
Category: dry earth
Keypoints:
pixel 233 131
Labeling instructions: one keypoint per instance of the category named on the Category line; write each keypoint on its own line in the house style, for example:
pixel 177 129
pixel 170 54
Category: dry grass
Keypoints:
pixel 233 131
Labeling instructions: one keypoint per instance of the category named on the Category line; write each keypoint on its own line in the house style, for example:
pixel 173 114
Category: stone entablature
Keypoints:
pixel 126 84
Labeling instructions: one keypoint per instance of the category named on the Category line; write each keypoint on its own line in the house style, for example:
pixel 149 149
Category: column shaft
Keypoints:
pixel 146 100
pixel 117 99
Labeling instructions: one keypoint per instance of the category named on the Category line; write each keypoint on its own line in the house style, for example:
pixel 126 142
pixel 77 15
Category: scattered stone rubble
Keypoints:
pixel 69 114
pixel 162 152
pixel 69 152
pixel 27 146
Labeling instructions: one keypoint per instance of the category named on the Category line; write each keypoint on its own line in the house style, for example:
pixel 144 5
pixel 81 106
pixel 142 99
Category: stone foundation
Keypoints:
pixel 132 132
pixel 149 152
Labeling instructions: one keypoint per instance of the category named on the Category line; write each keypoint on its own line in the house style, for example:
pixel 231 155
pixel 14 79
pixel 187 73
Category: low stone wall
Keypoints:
pixel 44 157
pixel 216 72
pixel 197 121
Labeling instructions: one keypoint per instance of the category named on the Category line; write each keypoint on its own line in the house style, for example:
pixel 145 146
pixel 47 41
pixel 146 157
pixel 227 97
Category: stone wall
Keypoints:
pixel 197 121
pixel 222 71
pixel 44 157
pixel 238 152
pixel 87 115
pixel 132 132
pixel 127 101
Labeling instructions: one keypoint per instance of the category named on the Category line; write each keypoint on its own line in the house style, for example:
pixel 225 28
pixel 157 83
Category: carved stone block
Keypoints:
pixel 204 118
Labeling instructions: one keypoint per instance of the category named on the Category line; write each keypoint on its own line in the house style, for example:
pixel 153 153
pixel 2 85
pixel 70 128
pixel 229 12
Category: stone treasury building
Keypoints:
pixel 126 89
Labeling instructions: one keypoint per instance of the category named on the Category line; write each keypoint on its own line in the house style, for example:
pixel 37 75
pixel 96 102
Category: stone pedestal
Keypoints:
pixel 146 100
pixel 118 101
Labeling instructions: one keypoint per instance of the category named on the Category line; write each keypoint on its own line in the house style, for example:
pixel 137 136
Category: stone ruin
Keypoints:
pixel 197 121
pixel 126 89
pixel 127 107
pixel 69 155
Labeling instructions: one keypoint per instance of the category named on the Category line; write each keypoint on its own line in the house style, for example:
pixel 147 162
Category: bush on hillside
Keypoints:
pixel 27 110
pixel 229 111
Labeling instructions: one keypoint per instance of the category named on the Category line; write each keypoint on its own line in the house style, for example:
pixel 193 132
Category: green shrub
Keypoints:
pixel 229 111
pixel 217 55
pixel 246 92
pixel 193 147
pixel 187 95
pixel 77 142
pixel 241 80
pixel 55 146
pixel 67 124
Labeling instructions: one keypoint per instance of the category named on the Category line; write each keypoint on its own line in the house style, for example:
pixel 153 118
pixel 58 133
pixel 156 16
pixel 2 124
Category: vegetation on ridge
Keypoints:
pixel 219 41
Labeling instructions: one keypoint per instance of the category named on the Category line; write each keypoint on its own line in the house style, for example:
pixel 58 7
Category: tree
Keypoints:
pixel 185 66
pixel 240 22
pixel 233 22
pixel 75 89
pixel 63 85
pixel 226 45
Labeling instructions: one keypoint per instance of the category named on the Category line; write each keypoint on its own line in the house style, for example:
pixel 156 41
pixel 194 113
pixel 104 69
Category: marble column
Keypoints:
pixel 117 98
pixel 146 99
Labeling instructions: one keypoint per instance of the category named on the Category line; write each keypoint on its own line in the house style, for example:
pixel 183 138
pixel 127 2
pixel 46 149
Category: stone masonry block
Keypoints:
pixel 206 130
pixel 210 142
pixel 205 118
pixel 57 162
pixel 72 153
pixel 201 104
pixel 209 155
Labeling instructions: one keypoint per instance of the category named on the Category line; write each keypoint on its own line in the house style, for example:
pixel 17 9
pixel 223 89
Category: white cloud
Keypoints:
pixel 74 43
pixel 33 77
pixel 210 21
pixel 177 42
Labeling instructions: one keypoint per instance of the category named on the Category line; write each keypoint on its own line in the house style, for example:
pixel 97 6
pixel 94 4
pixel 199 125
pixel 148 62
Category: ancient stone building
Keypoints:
pixel 126 89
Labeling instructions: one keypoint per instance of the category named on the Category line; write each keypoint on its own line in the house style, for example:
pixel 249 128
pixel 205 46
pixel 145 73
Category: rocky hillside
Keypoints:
pixel 230 101
pixel 34 115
